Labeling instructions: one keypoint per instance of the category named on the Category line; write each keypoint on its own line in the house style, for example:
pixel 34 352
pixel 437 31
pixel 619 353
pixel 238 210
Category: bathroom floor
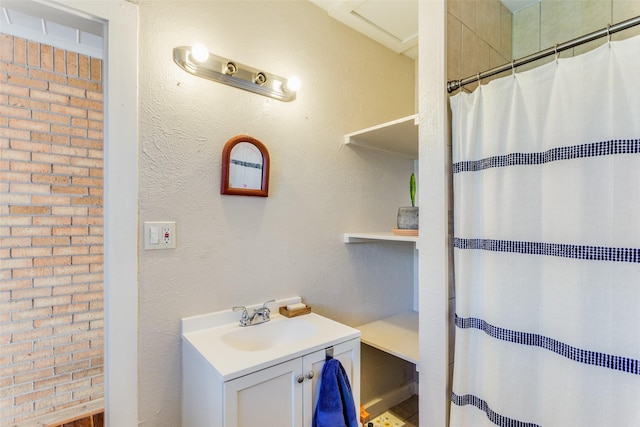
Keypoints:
pixel 407 411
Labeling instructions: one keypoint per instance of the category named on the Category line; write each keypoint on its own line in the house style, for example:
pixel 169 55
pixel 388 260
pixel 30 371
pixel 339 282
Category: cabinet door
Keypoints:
pixel 348 353
pixel 270 397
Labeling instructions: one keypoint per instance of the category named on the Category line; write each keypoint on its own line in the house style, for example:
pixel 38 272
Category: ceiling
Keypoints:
pixel 393 23
pixel 516 5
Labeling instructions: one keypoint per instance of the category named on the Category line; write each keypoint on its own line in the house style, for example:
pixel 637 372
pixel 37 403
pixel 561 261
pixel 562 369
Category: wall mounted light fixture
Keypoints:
pixel 198 61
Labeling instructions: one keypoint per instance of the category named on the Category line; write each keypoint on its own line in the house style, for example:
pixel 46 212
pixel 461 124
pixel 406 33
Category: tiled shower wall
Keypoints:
pixel 51 229
pixel 548 22
pixel 478 37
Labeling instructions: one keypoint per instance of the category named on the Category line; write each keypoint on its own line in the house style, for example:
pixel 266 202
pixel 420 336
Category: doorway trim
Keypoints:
pixel 120 21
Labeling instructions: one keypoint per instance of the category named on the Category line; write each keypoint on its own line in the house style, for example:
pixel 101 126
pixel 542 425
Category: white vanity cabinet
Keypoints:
pixel 267 397
pixel 262 375
pixel 285 395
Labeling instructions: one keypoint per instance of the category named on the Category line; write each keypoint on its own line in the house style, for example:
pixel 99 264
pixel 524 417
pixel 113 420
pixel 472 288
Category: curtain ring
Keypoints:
pixel 609 34
pixel 478 77
pixel 556 50
pixel 513 68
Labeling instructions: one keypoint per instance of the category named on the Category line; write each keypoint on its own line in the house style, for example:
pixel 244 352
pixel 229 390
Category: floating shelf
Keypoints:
pixel 399 137
pixel 396 335
pixel 377 237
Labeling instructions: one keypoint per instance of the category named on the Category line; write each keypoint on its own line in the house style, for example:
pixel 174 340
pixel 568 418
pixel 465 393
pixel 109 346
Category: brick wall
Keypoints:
pixel 51 229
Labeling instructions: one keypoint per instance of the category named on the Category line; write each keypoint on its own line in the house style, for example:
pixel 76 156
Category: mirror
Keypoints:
pixel 245 167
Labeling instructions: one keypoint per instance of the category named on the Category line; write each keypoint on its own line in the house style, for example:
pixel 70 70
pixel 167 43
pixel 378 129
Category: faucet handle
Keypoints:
pixel 245 314
pixel 266 313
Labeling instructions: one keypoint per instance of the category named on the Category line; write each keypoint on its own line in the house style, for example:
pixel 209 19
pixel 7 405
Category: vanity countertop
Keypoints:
pixel 234 351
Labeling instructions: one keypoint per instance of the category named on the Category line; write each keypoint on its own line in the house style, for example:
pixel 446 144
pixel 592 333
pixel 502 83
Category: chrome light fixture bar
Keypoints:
pixel 232 73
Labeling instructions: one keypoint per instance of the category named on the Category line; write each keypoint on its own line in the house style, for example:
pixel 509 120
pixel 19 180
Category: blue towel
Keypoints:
pixel 335 406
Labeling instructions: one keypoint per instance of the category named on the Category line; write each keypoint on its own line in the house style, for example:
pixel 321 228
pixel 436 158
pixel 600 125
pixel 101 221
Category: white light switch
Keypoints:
pixel 154 235
pixel 159 235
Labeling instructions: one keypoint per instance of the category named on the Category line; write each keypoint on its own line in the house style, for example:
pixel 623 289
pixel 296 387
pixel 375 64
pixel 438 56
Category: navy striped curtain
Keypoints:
pixel 547 245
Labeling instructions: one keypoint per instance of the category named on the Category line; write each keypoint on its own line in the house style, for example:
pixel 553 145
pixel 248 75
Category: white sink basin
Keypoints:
pixel 279 331
pixel 233 350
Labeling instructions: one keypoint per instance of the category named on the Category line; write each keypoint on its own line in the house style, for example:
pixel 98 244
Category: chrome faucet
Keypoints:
pixel 259 315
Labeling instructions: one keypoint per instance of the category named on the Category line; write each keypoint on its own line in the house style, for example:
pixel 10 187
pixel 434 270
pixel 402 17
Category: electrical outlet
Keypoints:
pixel 167 235
pixel 159 235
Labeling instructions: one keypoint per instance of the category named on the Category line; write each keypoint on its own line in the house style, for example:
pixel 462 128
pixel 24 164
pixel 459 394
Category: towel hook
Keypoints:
pixel 328 353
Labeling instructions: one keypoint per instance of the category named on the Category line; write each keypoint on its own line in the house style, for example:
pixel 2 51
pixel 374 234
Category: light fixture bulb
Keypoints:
pixel 293 84
pixel 199 52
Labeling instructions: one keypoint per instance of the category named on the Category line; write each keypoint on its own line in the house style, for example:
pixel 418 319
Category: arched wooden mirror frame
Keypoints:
pixel 225 185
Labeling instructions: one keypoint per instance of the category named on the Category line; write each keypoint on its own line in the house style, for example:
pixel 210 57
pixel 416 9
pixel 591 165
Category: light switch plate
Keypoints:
pixel 159 235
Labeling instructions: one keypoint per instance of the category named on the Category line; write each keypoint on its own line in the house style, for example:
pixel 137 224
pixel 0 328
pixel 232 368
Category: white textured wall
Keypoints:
pixel 435 281
pixel 236 250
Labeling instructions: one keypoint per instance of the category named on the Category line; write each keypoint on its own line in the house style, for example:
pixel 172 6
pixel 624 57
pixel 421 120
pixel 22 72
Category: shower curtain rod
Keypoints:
pixel 457 84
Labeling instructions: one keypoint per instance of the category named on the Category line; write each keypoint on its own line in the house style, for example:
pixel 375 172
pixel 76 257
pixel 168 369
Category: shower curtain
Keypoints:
pixel 546 174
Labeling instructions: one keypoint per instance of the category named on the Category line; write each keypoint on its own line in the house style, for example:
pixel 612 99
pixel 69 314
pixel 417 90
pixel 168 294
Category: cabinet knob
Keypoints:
pixel 309 375
pixel 300 379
